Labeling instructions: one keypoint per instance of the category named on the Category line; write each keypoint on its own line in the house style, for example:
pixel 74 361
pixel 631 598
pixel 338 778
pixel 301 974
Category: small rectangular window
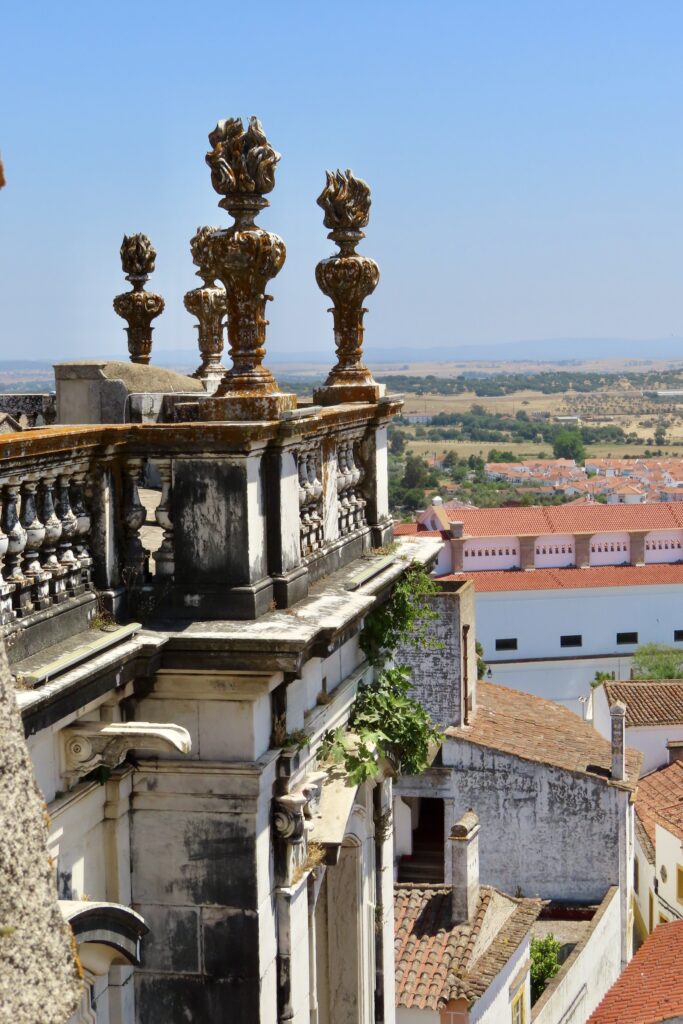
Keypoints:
pixel 636 874
pixel 518 1007
pixel 571 640
pixel 679 884
pixel 678 635
pixel 627 638
pixel 506 644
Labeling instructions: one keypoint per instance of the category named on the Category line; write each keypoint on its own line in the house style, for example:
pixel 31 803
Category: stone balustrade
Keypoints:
pixel 250 514
pixel 44 535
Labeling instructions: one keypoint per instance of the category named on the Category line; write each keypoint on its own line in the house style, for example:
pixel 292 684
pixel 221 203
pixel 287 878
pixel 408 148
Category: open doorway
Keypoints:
pixel 426 862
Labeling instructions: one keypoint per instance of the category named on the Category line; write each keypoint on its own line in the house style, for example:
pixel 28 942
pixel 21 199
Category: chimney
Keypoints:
pixel 457 529
pixel 436 500
pixel 464 839
pixel 675 748
pixel 618 716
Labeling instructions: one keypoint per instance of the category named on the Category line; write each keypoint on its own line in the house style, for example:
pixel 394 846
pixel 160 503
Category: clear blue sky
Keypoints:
pixel 526 161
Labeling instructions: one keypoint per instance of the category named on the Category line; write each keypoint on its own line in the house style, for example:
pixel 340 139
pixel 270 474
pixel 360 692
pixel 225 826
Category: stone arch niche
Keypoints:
pixel 344 928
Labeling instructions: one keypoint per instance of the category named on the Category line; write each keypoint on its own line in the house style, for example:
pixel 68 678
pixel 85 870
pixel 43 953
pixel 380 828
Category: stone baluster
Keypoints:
pixel 315 507
pixel 78 505
pixel 164 558
pixel 305 496
pixel 134 515
pixel 67 557
pixel 357 477
pixel 16 542
pixel 7 613
pixel 53 532
pixel 352 476
pixel 38 576
pixel 342 500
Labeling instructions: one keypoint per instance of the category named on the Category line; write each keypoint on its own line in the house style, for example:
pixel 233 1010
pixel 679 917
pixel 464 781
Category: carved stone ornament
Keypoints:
pixel 87 745
pixel 137 306
pixel 208 305
pixel 244 258
pixel 288 817
pixel 347 279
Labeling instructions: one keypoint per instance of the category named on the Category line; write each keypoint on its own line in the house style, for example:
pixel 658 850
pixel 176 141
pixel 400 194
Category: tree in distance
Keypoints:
pixel 657 661
pixel 568 444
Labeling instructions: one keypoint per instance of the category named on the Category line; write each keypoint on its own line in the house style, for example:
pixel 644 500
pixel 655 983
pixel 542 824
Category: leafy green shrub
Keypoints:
pixel 544 963
pixel 385 722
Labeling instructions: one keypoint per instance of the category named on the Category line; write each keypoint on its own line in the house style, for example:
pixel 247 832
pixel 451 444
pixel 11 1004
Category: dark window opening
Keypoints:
pixel 506 644
pixel 571 640
pixel 678 634
pixel 426 862
pixel 627 638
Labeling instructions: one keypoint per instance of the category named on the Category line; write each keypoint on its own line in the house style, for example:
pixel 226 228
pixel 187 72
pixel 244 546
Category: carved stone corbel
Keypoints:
pixel 288 817
pixel 312 790
pixel 88 745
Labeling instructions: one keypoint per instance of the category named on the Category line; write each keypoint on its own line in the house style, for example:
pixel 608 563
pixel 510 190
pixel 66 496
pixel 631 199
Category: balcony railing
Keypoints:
pixel 250 514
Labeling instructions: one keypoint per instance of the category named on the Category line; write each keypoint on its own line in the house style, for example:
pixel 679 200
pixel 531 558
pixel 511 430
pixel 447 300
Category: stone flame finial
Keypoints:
pixel 208 304
pixel 137 306
pixel 346 202
pixel 244 258
pixel 241 162
pixel 348 279
pixel 137 257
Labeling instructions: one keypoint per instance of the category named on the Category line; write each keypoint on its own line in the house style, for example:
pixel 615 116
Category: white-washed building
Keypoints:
pixel 564 592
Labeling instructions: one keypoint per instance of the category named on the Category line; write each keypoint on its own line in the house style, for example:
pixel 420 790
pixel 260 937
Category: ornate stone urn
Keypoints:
pixel 138 307
pixel 347 278
pixel 207 303
pixel 244 258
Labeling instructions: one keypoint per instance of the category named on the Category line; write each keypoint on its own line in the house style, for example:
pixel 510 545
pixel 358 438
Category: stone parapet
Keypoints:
pixel 251 513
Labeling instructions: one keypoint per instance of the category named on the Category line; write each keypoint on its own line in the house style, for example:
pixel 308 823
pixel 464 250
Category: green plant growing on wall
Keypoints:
pixel 386 724
pixel 544 963
pixel 404 619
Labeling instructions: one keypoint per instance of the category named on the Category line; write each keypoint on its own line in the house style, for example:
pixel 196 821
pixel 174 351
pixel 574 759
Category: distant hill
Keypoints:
pixel 553 350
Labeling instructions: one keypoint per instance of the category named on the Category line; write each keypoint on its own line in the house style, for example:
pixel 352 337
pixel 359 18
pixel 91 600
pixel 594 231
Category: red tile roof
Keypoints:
pixel 435 958
pixel 410 530
pixel 650 989
pixel 488 581
pixel 539 730
pixel 649 701
pixel 660 798
pixel 534 520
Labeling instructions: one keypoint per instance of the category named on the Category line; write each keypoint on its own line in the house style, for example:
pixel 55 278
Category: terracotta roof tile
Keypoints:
pixel 434 957
pixel 649 701
pixel 535 520
pixel 651 987
pixel 539 730
pixel 411 529
pixel 659 800
pixel 494 580
pixel 646 844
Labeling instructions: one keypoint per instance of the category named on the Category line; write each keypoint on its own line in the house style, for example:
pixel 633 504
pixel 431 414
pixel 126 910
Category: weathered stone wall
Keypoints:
pixel 38 976
pixel 591 969
pixel 30 410
pixel 552 833
pixel 440 672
